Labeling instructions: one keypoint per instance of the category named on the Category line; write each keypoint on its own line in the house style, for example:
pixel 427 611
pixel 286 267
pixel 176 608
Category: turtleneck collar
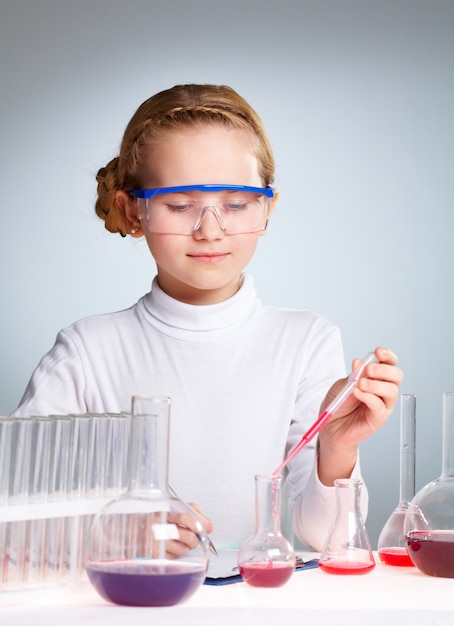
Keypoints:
pixel 187 321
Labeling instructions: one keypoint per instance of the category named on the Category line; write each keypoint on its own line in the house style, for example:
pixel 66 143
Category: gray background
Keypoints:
pixel 358 97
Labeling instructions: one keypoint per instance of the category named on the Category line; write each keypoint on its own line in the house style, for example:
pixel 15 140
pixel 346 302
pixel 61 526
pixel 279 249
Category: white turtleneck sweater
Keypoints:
pixel 246 381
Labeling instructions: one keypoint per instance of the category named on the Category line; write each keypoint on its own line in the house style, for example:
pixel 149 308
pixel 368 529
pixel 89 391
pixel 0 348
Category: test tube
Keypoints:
pixel 6 432
pixel 117 454
pixel 58 483
pixel 16 533
pixel 41 452
pixel 77 479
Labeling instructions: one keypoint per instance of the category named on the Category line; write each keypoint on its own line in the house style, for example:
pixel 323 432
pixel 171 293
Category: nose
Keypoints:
pixel 212 226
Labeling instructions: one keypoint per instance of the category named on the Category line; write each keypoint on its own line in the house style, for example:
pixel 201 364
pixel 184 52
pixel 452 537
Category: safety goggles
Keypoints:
pixel 180 210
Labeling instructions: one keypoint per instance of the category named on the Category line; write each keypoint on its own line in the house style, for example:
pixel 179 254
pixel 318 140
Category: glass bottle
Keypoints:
pixel 133 549
pixel 267 559
pixel 347 549
pixel 429 522
pixel 392 548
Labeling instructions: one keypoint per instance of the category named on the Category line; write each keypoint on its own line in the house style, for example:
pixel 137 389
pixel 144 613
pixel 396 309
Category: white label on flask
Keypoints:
pixel 165 531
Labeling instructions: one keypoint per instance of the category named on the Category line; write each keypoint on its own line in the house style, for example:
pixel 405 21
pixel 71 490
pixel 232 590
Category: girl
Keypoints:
pixel 194 178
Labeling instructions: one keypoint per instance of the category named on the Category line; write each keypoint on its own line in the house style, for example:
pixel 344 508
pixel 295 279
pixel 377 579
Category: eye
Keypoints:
pixel 179 208
pixel 236 206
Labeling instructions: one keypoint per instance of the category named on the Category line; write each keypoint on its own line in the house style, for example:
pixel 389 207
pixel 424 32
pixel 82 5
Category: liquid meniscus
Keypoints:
pixel 342 568
pixel 142 583
pixel 395 556
pixel 432 552
pixel 266 574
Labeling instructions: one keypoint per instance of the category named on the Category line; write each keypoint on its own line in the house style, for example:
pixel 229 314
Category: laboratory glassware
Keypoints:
pixel 347 548
pixel 328 412
pixel 429 521
pixel 267 559
pixel 134 545
pixel 392 548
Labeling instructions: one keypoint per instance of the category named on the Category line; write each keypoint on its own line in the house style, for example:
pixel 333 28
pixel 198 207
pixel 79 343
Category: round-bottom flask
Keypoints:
pixel 347 549
pixel 267 559
pixel 392 548
pixel 429 522
pixel 133 553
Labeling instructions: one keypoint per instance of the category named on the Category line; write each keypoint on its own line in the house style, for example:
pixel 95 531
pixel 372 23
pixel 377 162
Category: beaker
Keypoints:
pixel 429 522
pixel 392 548
pixel 347 548
pixel 136 551
pixel 267 559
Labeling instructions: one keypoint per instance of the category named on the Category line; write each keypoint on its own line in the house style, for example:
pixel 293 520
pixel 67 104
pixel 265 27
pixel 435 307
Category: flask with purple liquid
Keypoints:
pixel 133 549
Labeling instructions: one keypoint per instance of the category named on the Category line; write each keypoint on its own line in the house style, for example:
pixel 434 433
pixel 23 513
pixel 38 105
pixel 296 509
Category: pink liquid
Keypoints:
pixel 267 574
pixel 432 552
pixel 395 556
pixel 136 583
pixel 346 567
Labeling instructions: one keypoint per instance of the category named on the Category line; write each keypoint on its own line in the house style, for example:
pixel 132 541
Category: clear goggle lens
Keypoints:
pixel 237 209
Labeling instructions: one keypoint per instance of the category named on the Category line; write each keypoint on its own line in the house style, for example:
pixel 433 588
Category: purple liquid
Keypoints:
pixel 145 583
pixel 432 552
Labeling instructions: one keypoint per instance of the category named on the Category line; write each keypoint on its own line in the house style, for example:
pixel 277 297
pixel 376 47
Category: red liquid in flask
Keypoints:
pixel 346 567
pixel 266 574
pixel 395 556
pixel 432 552
pixel 145 584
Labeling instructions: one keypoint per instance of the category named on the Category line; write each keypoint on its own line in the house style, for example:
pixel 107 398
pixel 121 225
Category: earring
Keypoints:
pixel 133 230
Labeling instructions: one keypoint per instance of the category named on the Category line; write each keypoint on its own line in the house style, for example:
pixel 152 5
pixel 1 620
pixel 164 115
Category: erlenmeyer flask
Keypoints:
pixel 267 559
pixel 392 548
pixel 429 522
pixel 132 557
pixel 347 548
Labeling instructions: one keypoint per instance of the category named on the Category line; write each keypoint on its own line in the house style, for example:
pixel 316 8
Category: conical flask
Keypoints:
pixel 429 522
pixel 392 548
pixel 133 555
pixel 347 549
pixel 267 559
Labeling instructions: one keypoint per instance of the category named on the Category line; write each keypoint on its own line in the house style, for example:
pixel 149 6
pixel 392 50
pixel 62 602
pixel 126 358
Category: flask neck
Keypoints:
pixel 348 493
pixel 407 447
pixel 149 450
pixel 448 435
pixel 267 504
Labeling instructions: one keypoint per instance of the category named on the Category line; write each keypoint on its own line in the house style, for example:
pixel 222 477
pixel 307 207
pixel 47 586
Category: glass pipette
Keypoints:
pixel 352 381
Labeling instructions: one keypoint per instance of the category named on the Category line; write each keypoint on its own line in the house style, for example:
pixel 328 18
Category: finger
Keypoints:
pixel 385 355
pixel 207 523
pixel 386 392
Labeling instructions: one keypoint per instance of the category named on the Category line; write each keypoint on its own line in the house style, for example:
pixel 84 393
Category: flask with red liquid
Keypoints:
pixel 131 557
pixel 429 522
pixel 267 558
pixel 347 549
pixel 392 548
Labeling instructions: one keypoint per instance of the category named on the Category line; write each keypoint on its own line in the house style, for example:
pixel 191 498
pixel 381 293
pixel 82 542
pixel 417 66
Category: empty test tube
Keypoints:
pixel 16 535
pixel 41 453
pixel 6 432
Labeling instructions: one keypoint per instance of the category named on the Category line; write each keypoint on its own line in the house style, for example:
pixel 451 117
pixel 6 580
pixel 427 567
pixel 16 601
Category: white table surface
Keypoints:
pixel 386 596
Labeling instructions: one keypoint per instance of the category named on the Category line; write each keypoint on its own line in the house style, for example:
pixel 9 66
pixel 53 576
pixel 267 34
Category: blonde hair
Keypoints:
pixel 171 110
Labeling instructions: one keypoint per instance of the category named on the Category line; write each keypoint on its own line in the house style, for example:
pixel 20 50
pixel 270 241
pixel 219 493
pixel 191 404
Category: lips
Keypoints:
pixel 209 257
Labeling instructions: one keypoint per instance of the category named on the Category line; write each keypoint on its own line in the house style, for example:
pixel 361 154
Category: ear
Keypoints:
pixel 128 207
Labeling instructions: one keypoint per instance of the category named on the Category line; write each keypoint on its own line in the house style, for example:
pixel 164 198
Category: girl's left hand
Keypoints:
pixel 370 404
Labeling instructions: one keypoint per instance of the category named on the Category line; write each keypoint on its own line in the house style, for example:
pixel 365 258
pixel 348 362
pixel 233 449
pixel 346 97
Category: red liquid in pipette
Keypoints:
pixel 266 574
pixel 346 567
pixel 308 435
pixel 395 556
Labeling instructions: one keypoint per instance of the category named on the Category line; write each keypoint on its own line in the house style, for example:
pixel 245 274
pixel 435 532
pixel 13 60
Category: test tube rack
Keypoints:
pixel 56 473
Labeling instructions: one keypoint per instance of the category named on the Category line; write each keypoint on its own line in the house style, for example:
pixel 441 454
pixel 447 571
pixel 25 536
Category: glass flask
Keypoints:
pixel 347 549
pixel 429 522
pixel 392 548
pixel 267 559
pixel 133 548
